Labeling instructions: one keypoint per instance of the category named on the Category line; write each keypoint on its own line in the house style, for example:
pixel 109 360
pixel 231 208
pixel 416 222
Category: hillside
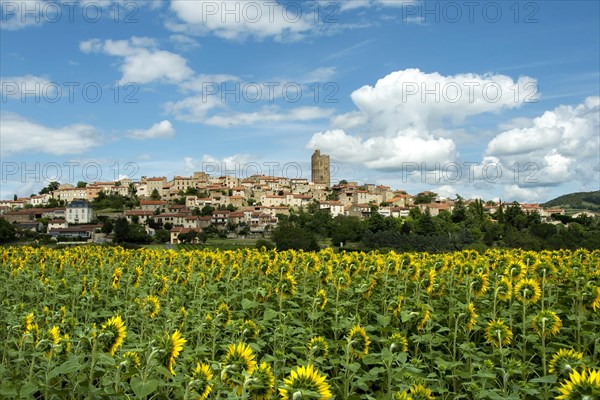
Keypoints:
pixel 577 201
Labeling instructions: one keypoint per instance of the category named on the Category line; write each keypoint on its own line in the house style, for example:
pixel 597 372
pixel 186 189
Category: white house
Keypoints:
pixel 79 212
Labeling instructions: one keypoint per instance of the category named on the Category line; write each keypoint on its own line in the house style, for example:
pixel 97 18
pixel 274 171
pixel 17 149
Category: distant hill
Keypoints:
pixel 576 201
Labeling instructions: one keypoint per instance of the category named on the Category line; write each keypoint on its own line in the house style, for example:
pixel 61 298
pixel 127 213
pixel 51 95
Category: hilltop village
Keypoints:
pixel 229 205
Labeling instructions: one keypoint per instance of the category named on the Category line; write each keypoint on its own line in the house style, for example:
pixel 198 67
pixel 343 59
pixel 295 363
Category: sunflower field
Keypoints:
pixel 105 322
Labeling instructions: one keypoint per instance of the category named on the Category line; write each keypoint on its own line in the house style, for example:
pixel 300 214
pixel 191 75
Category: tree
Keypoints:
pixel 81 184
pixel 459 213
pixel 121 230
pixel 52 186
pixel 162 236
pixel 155 195
pixel 346 229
pixel 207 210
pixel 7 231
pixel 290 236
pixel 425 197
pixel 107 227
pixel 425 224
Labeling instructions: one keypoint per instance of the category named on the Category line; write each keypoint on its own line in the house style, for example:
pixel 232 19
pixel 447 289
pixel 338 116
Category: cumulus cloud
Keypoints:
pixel 559 146
pixel 163 129
pixel 240 19
pixel 142 62
pixel 384 153
pixel 184 43
pixel 19 135
pixel 25 87
pixel 402 119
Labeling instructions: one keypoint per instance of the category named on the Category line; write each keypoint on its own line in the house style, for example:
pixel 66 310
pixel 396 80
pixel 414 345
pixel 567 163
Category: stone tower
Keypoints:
pixel 320 168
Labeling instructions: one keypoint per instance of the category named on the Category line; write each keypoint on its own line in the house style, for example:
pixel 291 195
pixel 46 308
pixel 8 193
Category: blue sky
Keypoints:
pixel 490 99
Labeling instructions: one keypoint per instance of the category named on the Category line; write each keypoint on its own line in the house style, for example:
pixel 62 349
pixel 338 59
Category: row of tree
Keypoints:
pixel 464 227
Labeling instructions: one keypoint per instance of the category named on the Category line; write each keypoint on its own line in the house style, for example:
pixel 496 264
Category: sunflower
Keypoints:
pixel 584 385
pixel 402 396
pixel 162 286
pixel 565 361
pixel 131 358
pixel 480 284
pixel 238 360
pixel 153 305
pixel 546 323
pixel 420 392
pixel 27 323
pixel 358 341
pixel 430 281
pixel 471 318
pixel 223 314
pixel 66 339
pixel 596 303
pixel 173 347
pixel 321 299
pixel 138 276
pixel 516 270
pixel 114 332
pixel 249 329
pixel 398 308
pixel 305 379
pixel 116 278
pixel 398 343
pixel 424 314
pixel 52 339
pixel 262 383
pixel 528 290
pixel 498 334
pixel 342 280
pixel 202 375
pixel 286 286
pixel 504 289
pixel 318 346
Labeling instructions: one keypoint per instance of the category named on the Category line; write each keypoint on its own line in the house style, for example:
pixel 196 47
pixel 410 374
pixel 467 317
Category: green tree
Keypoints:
pixel 107 227
pixel 459 213
pixel 207 210
pixel 155 195
pixel 52 186
pixel 81 184
pixel 7 231
pixel 290 236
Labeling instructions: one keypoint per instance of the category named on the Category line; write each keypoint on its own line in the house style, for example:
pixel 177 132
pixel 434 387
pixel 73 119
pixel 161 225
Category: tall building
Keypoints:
pixel 320 168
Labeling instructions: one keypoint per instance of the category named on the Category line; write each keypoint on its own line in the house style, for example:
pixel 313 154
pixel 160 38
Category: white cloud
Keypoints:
pixel 404 117
pixel 142 62
pixel 16 15
pixel 241 19
pixel 184 43
pixel 412 98
pixel 21 14
pixel 269 115
pixel 384 153
pixel 232 165
pixel 560 146
pixel 18 135
pixel 26 87
pixel 322 74
pixel 163 129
